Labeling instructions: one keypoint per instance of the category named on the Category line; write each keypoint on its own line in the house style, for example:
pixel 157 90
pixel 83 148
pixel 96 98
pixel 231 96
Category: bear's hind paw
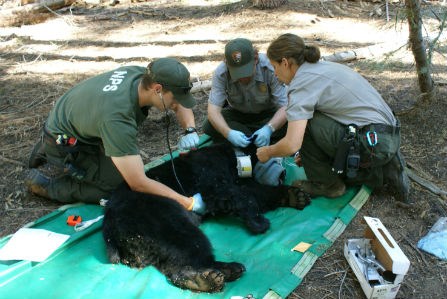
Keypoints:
pixel 231 271
pixel 205 280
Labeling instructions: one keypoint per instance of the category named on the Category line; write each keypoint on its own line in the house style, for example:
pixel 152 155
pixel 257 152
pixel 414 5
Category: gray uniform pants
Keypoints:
pixel 321 140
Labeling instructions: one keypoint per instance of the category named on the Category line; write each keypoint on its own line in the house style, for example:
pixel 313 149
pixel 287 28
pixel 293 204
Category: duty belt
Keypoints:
pixel 66 151
pixel 51 139
pixel 48 137
pixel 380 128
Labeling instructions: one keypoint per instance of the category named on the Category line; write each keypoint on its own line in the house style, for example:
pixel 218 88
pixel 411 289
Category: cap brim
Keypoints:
pixel 186 100
pixel 241 71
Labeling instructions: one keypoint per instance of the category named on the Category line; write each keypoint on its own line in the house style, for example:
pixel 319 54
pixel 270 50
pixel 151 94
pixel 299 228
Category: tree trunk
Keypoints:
pixel 418 48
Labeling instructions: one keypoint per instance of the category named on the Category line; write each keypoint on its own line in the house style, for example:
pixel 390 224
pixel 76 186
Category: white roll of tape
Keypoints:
pixel 244 166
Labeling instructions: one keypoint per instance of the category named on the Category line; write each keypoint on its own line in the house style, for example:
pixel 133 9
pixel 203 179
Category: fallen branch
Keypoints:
pixel 201 86
pixel 154 13
pixel 19 15
pixel 426 183
pixel 268 4
pixel 377 50
pixel 365 52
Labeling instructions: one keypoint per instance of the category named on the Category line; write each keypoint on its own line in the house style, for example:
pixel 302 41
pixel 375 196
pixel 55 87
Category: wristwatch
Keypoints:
pixel 190 130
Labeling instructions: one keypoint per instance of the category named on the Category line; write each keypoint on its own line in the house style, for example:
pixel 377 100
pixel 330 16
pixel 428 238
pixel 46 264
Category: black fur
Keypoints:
pixel 141 229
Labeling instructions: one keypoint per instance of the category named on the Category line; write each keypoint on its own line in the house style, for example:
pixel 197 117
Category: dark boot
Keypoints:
pixel 37 183
pixel 37 156
pixel 330 190
pixel 396 178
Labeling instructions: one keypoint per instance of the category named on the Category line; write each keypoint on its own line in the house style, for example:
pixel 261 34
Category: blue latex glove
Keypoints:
pixel 262 136
pixel 189 141
pixel 270 173
pixel 237 138
pixel 198 205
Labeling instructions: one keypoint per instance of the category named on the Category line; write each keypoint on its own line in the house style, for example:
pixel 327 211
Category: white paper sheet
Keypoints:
pixel 32 244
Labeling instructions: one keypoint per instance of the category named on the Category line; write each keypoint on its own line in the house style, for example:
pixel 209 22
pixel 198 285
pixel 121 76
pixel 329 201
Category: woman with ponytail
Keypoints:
pixel 339 127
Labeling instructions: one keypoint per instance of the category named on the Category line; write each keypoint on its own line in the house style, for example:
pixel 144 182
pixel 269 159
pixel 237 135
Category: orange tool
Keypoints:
pixel 72 220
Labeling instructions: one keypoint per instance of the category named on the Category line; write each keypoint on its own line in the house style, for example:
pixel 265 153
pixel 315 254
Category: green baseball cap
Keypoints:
pixel 240 58
pixel 174 76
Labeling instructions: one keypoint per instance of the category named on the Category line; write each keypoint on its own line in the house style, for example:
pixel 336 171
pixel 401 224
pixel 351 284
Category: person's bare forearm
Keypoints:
pixel 132 169
pixel 217 120
pixel 280 149
pixel 279 119
pixel 287 145
pixel 185 117
pixel 157 188
pixel 283 148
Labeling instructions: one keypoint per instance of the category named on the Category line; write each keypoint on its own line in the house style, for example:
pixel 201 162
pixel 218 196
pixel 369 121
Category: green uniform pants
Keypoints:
pixel 248 123
pixel 89 175
pixel 320 144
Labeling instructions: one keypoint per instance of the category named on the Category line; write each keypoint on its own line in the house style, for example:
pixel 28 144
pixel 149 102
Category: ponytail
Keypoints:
pixel 291 46
pixel 311 54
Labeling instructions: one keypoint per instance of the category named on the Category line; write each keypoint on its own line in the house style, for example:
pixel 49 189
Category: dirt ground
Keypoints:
pixel 39 62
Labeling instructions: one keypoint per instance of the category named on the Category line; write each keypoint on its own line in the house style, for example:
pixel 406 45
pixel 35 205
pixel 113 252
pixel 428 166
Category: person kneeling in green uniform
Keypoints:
pixel 92 133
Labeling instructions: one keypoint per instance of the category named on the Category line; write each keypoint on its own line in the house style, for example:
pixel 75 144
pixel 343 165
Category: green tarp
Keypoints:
pixel 80 269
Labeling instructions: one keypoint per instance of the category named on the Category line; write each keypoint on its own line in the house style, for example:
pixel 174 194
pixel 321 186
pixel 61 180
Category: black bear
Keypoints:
pixel 141 229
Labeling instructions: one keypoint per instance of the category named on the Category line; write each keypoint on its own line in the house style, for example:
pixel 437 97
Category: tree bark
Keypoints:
pixel 418 48
pixel 25 14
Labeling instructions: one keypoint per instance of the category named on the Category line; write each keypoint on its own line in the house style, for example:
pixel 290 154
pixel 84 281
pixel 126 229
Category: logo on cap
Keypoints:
pixel 237 56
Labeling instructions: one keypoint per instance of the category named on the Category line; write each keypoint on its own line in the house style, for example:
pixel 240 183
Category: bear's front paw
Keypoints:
pixel 297 198
pixel 258 224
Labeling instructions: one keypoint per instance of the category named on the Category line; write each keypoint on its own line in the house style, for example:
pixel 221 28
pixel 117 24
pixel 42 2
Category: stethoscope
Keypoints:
pixel 168 122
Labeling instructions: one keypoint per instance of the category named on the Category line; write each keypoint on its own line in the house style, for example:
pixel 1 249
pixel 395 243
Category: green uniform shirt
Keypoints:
pixel 102 110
